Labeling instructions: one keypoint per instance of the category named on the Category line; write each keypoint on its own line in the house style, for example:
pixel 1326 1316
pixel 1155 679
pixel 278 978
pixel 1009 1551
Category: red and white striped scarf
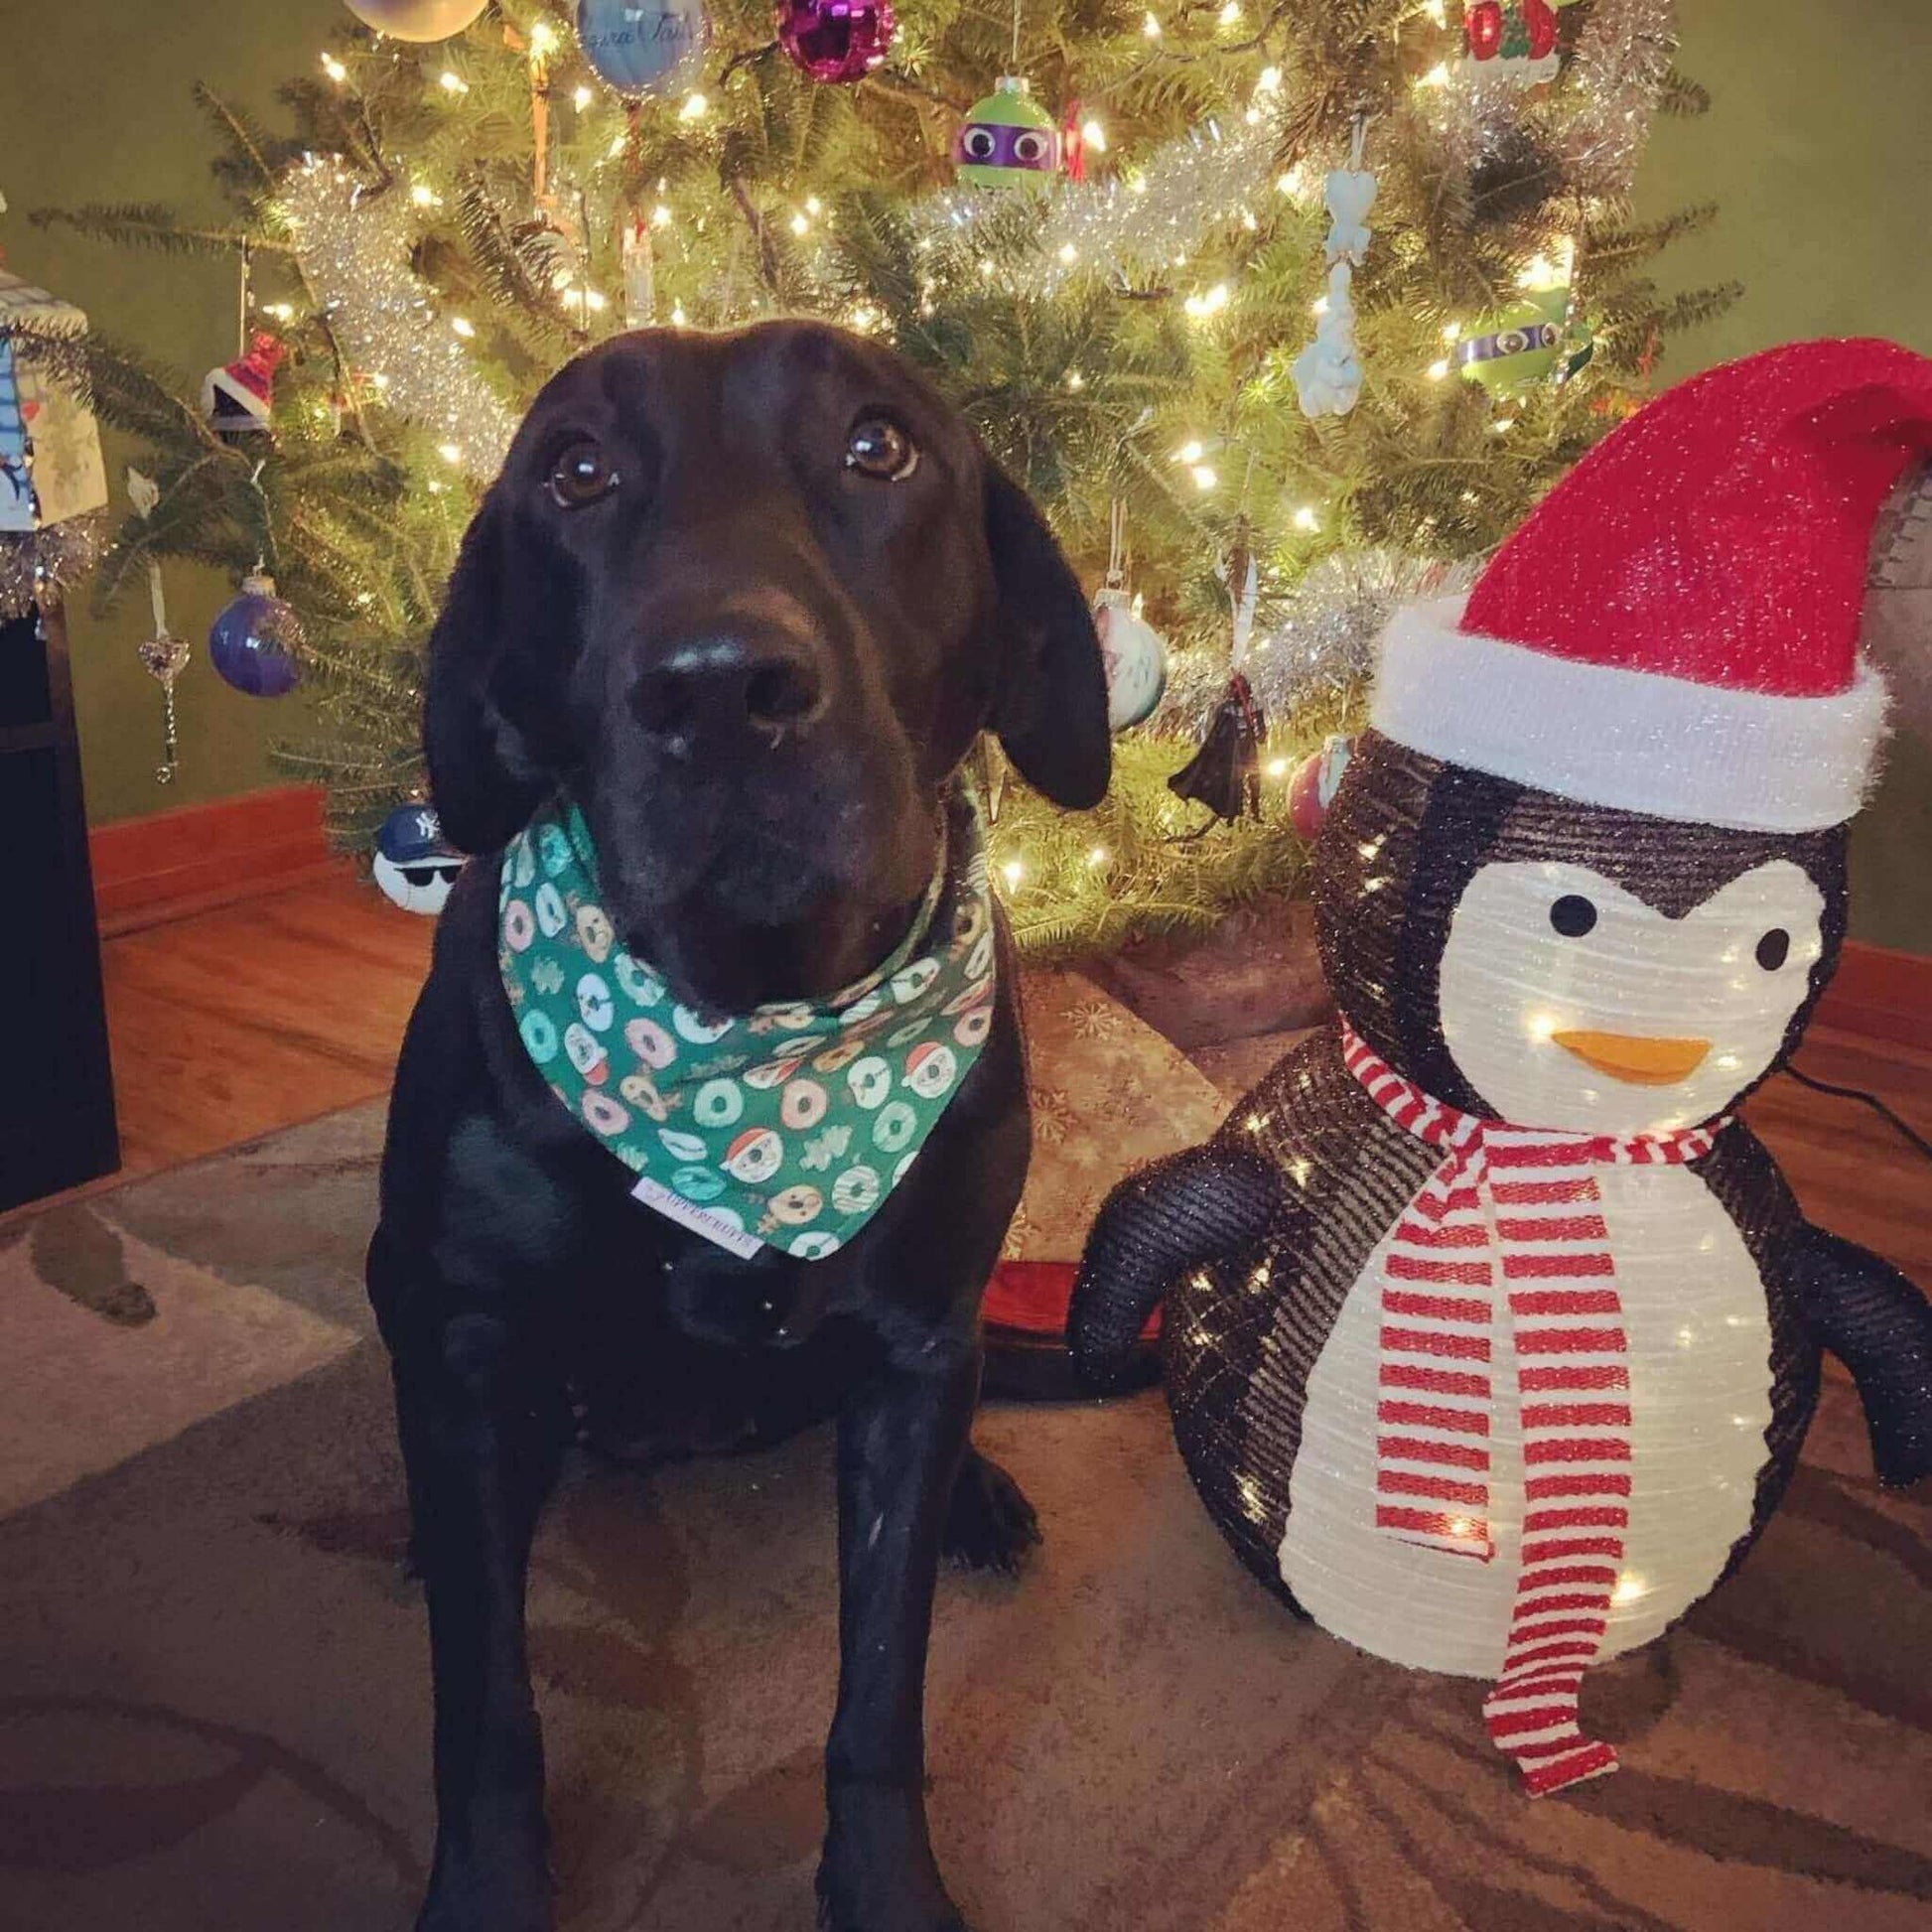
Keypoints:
pixel 1529 1196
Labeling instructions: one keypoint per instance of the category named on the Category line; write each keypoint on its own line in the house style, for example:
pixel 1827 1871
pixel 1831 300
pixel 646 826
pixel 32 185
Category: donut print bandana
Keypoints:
pixel 1514 1208
pixel 785 1127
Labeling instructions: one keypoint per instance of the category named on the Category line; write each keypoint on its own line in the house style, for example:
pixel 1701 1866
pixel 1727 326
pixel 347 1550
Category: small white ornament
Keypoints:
pixel 1132 654
pixel 1329 372
pixel 1135 655
pixel 1349 195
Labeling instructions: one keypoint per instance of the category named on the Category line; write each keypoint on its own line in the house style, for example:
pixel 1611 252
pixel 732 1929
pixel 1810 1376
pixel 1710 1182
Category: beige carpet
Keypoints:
pixel 213 1708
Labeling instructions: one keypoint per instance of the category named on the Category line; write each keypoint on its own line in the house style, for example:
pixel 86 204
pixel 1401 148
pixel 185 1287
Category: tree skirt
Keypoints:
pixel 1109 1094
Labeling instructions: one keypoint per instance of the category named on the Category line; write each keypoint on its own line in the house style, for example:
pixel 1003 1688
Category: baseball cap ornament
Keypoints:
pixel 1578 891
pixel 414 863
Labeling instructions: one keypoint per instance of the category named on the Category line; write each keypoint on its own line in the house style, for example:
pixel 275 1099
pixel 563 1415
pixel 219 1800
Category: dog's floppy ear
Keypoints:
pixel 1050 712
pixel 483 779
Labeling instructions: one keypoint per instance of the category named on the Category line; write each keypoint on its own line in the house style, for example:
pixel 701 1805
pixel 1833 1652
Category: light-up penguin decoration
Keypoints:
pixel 1492 1334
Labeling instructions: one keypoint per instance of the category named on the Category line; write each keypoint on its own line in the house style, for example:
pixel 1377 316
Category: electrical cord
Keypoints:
pixel 1871 1100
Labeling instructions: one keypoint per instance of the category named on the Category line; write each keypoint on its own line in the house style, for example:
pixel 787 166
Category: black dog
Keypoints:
pixel 749 599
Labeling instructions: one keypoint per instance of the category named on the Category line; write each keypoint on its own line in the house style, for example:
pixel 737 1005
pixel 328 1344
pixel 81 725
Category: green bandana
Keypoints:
pixel 786 1126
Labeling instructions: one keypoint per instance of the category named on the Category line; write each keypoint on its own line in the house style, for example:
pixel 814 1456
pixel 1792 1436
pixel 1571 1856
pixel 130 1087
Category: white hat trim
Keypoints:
pixel 1637 741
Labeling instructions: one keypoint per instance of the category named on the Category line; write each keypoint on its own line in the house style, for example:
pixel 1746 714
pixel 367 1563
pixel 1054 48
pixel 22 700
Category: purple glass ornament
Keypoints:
pixel 836 40
pixel 252 644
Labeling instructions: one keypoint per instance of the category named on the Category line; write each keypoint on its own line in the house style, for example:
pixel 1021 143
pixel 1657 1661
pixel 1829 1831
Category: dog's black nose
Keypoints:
pixel 726 686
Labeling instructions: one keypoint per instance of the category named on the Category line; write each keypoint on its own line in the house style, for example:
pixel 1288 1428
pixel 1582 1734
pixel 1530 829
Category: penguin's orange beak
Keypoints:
pixel 1635 1058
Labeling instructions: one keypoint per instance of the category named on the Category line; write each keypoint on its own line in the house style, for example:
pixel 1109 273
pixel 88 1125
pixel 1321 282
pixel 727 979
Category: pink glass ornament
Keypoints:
pixel 836 40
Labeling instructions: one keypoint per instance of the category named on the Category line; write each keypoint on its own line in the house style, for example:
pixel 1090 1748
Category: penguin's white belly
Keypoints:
pixel 1698 1335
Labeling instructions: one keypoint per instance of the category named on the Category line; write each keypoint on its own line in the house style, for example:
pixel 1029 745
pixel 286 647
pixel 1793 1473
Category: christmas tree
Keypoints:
pixel 1282 312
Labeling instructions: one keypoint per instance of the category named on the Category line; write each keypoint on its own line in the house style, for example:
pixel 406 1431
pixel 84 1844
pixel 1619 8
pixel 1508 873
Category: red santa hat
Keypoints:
pixel 1675 628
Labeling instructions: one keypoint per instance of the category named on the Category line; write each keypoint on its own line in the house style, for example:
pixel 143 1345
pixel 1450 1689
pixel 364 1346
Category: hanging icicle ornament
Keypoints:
pixel 1134 654
pixel 639 271
pixel 164 656
pixel 1226 774
pixel 1329 372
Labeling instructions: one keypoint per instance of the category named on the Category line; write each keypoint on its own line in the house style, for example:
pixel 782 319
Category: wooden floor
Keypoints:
pixel 237 1022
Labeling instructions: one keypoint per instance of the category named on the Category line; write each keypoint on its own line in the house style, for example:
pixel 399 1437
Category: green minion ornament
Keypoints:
pixel 1007 140
pixel 1524 343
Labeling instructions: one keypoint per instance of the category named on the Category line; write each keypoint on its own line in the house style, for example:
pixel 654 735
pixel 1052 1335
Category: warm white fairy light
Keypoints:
pixel 451 452
pixel 1205 477
pixel 799 226
pixel 677 314
pixel 1075 380
pixel 1439 369
pixel 425 197
pixel 543 38
pixel 1436 77
pixel 453 82
pixel 595 301
pixel 660 216
pixel 1188 453
pixel 1094 135
pixel 463 326
pixel 1068 254
pixel 618 142
pixel 1269 80
pixel 694 108
pixel 1305 519
pixel 1209 302
pixel 1013 871
pixel 1451 332
pixel 1098 856
pixel 333 69
pixel 1436 11
pixel 1231 14
pixel 1151 27
pixel 814 206
pixel 582 98
pixel 1277 767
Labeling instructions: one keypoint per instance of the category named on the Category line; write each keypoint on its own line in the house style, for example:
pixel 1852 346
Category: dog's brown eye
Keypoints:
pixel 581 476
pixel 879 447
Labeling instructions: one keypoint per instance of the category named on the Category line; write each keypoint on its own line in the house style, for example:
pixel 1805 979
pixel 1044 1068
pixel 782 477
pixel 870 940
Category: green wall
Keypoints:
pixel 87 115
pixel 1818 151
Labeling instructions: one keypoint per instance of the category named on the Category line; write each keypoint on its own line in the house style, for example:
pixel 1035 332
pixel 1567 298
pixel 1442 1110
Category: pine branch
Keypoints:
pixel 148 225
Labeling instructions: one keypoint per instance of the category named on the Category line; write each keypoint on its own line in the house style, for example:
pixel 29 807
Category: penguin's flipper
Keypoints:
pixel 1879 1326
pixel 1194 1206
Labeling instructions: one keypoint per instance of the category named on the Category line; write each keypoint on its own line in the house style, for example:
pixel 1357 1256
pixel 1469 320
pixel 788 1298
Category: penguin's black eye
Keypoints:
pixel 1774 949
pixel 1572 915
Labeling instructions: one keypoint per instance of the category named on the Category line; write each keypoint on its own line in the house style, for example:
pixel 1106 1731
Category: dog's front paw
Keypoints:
pixel 990 1524
pixel 878 1873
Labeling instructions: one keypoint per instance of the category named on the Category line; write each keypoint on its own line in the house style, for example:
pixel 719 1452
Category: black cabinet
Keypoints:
pixel 57 1091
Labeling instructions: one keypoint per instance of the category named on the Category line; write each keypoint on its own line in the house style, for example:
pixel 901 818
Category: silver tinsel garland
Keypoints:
pixel 44 566
pixel 354 247
pixel 1609 92
pixel 1149 217
pixel 1317 643
pixel 1621 60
